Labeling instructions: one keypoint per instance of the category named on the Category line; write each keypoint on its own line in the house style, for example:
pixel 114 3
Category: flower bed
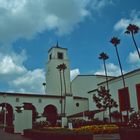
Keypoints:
pixel 98 129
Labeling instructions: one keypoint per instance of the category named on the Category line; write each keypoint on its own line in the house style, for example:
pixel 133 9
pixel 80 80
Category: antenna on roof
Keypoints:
pixel 57 45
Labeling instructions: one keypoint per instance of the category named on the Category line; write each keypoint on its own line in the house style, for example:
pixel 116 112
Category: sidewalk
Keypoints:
pixel 9 136
pixel 107 137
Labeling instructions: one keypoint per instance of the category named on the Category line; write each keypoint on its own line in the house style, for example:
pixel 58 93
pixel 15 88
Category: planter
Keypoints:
pixel 129 134
pixel 52 135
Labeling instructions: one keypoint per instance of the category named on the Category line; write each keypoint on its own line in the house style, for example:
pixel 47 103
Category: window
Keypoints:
pixel 17 99
pixel 138 95
pixel 60 55
pixel 40 100
pixel 77 104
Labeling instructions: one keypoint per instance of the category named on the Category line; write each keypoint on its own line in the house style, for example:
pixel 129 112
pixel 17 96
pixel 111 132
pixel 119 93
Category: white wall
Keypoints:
pixel 83 105
pixel 11 99
pixel 53 86
pixel 131 80
pixel 82 84
pixel 46 100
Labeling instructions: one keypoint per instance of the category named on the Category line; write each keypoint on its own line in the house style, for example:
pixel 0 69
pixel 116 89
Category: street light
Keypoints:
pixel 5 111
pixel 44 85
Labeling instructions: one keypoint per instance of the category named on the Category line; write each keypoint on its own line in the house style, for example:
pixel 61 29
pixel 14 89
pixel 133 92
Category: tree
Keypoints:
pixel 62 68
pixel 115 41
pixel 133 29
pixel 103 100
pixel 64 80
pixel 104 57
pixel 59 67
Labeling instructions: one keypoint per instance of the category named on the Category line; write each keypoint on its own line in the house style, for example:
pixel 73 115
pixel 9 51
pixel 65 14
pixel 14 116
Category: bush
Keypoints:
pixel 134 121
pixel 41 124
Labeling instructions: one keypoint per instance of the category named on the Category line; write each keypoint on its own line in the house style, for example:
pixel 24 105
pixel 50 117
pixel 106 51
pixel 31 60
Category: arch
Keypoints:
pixel 50 112
pixel 9 114
pixel 30 106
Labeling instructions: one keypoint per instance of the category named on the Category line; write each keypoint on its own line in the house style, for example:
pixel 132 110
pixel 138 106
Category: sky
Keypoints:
pixel 29 28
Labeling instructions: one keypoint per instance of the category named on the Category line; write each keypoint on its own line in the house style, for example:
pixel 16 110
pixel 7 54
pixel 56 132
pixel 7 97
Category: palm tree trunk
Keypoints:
pixel 109 114
pixel 64 91
pixel 61 90
pixel 106 74
pixel 135 44
pixel 120 66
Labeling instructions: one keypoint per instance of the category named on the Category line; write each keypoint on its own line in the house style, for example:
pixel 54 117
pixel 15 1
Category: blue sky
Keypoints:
pixel 28 28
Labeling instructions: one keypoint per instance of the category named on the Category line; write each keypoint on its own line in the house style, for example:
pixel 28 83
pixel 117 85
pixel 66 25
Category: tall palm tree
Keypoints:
pixel 115 41
pixel 104 57
pixel 64 80
pixel 133 29
pixel 59 67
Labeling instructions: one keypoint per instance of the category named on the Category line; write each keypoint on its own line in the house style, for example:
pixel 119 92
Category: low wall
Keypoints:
pixel 52 135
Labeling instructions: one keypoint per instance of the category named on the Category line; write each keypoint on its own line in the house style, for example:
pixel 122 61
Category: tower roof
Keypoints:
pixel 56 46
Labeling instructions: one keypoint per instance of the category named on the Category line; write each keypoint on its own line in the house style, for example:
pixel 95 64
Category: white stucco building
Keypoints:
pixel 79 92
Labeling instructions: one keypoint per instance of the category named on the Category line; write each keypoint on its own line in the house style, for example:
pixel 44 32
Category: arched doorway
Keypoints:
pixel 50 112
pixel 9 113
pixel 29 106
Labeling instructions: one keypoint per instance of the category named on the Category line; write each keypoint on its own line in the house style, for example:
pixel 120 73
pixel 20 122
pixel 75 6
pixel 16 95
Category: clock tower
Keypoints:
pixel 57 81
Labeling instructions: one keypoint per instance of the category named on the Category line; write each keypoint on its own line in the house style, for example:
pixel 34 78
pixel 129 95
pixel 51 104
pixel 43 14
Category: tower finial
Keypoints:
pixel 57 44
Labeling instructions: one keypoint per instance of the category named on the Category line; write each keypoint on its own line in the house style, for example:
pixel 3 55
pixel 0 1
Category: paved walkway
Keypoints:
pixel 107 137
pixel 9 136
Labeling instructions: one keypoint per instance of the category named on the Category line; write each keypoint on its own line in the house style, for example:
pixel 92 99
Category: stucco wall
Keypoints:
pixel 70 107
pixel 131 80
pixel 84 83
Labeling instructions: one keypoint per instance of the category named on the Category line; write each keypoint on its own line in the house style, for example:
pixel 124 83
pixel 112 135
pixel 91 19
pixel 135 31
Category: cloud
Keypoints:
pixel 112 70
pixel 74 73
pixel 25 19
pixel 9 67
pixel 11 64
pixel 124 22
pixel 16 77
pixel 133 59
pixel 100 4
pixel 29 82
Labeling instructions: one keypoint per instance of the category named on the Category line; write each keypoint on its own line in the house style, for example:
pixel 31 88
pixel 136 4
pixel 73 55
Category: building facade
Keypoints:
pixel 75 96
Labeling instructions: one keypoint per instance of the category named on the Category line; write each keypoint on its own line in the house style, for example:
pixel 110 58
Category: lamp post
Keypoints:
pixel 44 85
pixel 5 111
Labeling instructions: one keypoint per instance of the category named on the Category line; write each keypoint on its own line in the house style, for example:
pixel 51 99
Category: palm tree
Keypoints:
pixel 59 67
pixel 133 29
pixel 104 56
pixel 115 41
pixel 63 69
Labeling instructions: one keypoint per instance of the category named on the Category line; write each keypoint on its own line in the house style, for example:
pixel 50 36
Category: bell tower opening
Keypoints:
pixel 60 55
